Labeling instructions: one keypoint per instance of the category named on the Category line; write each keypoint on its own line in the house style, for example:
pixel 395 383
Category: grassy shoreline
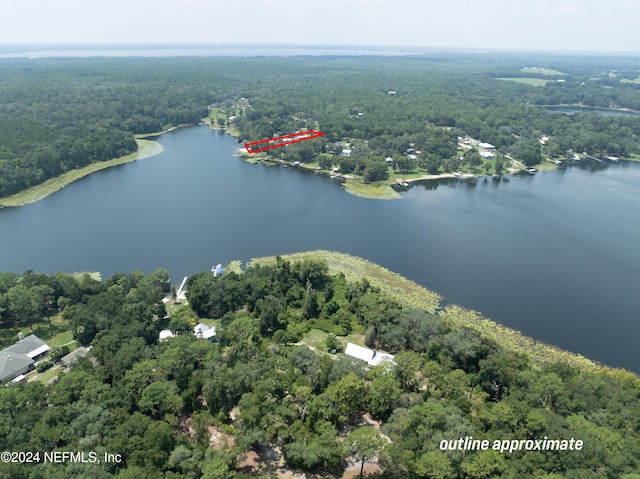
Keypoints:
pixel 146 149
pixel 412 295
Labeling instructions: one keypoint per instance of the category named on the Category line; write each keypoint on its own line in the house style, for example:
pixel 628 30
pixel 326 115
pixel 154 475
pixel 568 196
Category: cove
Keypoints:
pixel 553 255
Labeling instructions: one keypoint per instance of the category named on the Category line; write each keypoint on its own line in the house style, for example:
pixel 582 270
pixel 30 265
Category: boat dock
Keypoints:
pixel 592 157
pixel 180 292
pixel 521 166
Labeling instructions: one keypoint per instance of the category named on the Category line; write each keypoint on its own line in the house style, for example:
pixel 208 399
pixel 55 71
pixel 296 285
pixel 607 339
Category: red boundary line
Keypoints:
pixel 284 140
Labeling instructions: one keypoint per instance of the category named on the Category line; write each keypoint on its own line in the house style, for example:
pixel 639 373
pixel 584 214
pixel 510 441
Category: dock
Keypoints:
pixel 521 166
pixel 593 157
pixel 180 292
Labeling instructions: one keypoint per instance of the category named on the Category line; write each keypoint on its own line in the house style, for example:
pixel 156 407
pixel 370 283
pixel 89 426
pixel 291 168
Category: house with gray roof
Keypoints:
pixel 32 346
pixel 21 357
pixel 13 365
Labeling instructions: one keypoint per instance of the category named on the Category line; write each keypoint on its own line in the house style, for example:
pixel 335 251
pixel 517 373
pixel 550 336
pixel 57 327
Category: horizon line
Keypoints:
pixel 15 49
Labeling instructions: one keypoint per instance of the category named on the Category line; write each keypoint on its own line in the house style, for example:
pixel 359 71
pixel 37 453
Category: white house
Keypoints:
pixel 203 331
pixel 372 358
pixel 486 146
pixel 165 335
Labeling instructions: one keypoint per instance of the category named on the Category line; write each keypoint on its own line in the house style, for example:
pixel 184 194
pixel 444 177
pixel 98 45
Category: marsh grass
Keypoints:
pixel 146 149
pixel 372 190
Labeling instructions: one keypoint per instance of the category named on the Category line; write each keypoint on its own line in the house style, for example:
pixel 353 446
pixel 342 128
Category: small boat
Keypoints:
pixel 532 171
pixel 405 184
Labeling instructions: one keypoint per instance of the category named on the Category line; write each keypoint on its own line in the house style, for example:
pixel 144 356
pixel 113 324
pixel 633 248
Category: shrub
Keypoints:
pixel 43 366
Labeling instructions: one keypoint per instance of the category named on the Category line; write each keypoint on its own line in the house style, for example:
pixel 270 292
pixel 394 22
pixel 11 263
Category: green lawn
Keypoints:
pixel 527 81
pixel 315 339
pixel 542 71
pixel 61 339
pixel 45 376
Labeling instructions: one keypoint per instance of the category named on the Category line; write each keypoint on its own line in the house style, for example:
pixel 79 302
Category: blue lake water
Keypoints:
pixel 572 110
pixel 554 255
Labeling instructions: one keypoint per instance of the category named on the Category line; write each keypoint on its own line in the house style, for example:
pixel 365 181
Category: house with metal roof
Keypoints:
pixel 21 357
pixel 32 346
pixel 372 358
pixel 204 332
pixel 13 365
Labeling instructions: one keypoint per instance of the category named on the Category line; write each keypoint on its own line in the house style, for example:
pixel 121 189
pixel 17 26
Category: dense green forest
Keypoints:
pixel 60 114
pixel 190 408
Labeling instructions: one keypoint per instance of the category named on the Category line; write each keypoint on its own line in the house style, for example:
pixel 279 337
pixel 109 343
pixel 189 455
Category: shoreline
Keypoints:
pixel 383 190
pixel 146 149
pixel 413 295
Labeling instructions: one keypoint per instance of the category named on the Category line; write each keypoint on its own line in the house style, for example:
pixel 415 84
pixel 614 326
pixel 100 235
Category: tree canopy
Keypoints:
pixel 189 407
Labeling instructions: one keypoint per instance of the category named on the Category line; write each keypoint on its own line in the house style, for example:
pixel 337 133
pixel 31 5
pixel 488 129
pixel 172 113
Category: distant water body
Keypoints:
pixel 572 110
pixel 56 51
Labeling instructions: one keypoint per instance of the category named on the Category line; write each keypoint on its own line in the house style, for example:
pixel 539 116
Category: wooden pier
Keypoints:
pixel 179 292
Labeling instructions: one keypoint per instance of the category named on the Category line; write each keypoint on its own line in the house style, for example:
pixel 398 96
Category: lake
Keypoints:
pixel 572 110
pixel 553 255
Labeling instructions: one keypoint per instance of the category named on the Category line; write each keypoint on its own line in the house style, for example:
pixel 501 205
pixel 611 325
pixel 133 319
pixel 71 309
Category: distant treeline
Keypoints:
pixel 60 114
pixel 57 115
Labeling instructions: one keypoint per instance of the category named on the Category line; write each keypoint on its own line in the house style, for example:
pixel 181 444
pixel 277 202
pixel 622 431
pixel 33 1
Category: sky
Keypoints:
pixel 597 26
